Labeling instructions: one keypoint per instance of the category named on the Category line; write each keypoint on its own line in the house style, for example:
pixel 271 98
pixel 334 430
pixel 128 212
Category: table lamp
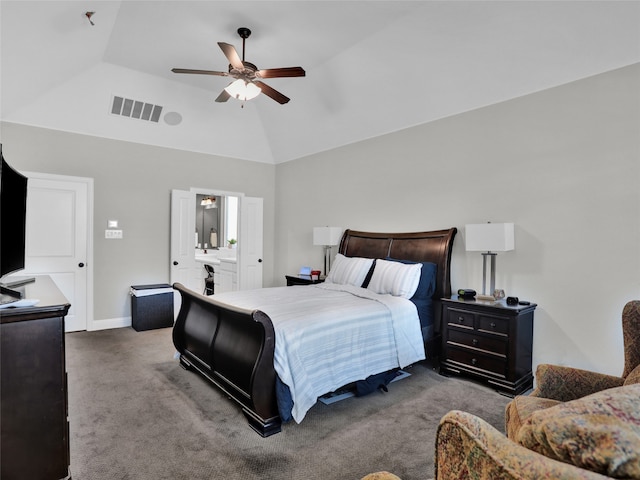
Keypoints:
pixel 489 238
pixel 327 237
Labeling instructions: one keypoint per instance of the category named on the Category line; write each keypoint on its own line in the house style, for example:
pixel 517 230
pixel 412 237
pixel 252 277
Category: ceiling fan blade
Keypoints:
pixel 281 72
pixel 199 72
pixel 231 54
pixel 270 92
pixel 223 97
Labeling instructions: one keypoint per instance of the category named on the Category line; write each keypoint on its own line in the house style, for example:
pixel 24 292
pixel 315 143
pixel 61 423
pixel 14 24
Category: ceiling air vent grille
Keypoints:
pixel 135 109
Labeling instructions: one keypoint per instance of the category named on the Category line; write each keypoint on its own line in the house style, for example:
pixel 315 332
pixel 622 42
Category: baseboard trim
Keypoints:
pixel 109 323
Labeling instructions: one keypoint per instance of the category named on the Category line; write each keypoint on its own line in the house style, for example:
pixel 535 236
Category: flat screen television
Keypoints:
pixel 13 210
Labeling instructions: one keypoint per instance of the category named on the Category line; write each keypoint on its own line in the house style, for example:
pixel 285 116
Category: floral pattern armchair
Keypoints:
pixel 556 384
pixel 576 424
pixel 467 447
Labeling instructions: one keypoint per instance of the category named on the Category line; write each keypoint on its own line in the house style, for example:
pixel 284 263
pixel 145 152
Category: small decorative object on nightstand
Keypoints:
pixel 302 280
pixel 489 341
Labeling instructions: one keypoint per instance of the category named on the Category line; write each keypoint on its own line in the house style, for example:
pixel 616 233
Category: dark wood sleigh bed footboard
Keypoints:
pixel 233 348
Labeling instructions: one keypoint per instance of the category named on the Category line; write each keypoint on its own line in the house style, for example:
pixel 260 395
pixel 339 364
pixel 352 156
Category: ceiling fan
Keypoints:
pixel 247 84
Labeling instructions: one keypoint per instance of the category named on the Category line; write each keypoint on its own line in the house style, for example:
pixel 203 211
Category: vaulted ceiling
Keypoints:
pixel 372 67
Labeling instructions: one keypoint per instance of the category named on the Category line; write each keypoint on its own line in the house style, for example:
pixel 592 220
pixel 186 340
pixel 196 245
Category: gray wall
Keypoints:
pixel 133 183
pixel 562 164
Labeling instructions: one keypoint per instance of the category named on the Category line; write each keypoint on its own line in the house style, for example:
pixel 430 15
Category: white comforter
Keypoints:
pixel 328 335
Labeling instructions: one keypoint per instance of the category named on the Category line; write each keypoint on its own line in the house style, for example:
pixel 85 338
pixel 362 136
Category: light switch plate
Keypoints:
pixel 117 234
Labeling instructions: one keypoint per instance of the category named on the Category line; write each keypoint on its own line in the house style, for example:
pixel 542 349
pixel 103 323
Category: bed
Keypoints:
pixel 230 339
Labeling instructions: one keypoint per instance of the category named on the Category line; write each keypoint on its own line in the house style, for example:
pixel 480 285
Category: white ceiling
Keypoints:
pixel 373 67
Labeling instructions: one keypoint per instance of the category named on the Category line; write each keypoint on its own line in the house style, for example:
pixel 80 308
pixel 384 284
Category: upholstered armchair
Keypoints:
pixel 556 384
pixel 589 429
pixel 381 476
pixel 467 447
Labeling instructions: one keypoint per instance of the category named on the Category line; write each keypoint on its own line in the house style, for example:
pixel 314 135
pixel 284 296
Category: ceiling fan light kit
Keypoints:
pixel 243 90
pixel 246 84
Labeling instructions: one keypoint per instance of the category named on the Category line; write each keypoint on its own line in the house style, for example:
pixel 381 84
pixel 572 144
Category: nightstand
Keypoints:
pixel 301 280
pixel 489 341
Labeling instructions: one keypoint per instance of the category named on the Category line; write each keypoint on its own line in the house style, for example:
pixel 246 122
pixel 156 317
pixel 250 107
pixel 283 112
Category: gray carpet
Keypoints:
pixel 135 414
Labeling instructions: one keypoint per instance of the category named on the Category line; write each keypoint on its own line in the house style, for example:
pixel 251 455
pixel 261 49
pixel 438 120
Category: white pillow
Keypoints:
pixel 395 278
pixel 349 270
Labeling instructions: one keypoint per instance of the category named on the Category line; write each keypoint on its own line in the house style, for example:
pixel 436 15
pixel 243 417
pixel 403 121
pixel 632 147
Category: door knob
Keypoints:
pixel 175 263
pixel 259 260
pixel 81 264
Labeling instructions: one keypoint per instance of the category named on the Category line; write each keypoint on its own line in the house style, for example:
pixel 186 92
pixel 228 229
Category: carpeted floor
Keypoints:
pixel 135 414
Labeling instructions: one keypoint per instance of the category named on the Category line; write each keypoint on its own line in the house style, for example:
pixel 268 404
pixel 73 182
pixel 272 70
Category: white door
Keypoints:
pixel 186 270
pixel 58 242
pixel 250 243
pixel 183 227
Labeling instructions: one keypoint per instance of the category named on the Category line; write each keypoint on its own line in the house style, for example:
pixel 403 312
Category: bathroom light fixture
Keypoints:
pixel 243 90
pixel 327 237
pixel 489 238
pixel 208 202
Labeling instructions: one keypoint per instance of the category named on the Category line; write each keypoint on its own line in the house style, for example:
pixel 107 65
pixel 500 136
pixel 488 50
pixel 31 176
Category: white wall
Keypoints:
pixel 562 164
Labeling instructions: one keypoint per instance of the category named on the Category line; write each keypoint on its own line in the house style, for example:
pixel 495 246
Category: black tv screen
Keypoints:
pixel 13 210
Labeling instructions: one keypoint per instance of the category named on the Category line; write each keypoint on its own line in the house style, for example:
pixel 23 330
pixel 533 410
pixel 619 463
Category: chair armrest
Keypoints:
pixel 567 383
pixel 381 476
pixel 468 447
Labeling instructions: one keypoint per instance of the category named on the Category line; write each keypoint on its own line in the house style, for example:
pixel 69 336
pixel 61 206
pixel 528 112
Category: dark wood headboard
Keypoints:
pixel 433 247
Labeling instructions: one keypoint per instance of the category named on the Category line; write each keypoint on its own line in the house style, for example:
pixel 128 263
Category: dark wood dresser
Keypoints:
pixel 489 341
pixel 34 423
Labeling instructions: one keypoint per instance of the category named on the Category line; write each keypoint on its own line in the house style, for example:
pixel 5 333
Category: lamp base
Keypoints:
pixel 327 259
pixel 492 273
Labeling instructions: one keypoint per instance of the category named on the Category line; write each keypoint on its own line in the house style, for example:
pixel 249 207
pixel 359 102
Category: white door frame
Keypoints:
pixel 245 256
pixel 182 244
pixel 89 240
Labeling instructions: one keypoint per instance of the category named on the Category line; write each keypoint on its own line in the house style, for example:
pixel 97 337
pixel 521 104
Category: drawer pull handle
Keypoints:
pixel 474 361
pixel 493 324
pixel 474 341
pixel 461 319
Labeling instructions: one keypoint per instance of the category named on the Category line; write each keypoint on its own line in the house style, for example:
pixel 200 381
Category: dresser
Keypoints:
pixel 489 341
pixel 34 425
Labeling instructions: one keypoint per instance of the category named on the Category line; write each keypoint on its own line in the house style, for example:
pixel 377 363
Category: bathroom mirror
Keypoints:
pixel 208 226
pixel 216 220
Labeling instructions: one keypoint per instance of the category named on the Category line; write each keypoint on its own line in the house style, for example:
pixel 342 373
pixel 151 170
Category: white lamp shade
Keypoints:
pixel 327 235
pixel 243 90
pixel 489 237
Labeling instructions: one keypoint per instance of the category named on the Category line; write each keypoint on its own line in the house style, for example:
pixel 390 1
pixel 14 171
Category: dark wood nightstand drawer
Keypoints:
pixel 477 361
pixel 493 344
pixel 460 318
pixel 493 324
